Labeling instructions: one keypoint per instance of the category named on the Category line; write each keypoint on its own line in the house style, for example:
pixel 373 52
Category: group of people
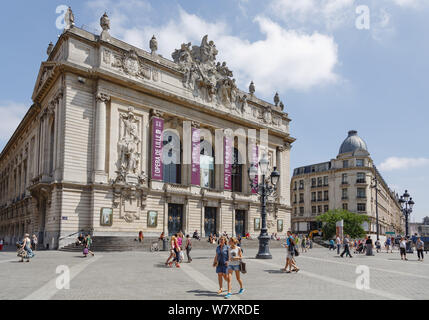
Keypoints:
pixel 85 241
pixel 176 250
pixel 366 246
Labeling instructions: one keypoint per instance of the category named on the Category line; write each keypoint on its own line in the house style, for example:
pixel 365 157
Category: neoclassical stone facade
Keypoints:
pixel 344 183
pixel 120 140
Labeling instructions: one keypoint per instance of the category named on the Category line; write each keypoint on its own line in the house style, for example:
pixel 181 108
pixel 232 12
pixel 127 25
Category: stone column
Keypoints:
pixel 58 135
pixel 219 218
pixel 282 159
pixel 165 224
pixel 100 174
pixel 202 219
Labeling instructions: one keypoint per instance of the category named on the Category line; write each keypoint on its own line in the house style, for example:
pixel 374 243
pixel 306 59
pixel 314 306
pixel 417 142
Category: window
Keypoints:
pixel 344 195
pixel 301 210
pixel 345 206
pixel 319 196
pixel 361 207
pixel 313 182
pixel 359 162
pixel 325 208
pixel 294 198
pixel 295 210
pixel 361 193
pixel 344 178
pixel 301 184
pixel 360 177
pixel 301 198
pixel 313 196
pixel 295 185
pixel 325 195
pixel 319 181
pixel 325 180
pixel 171 156
pixel 313 209
pixel 319 209
pixel 345 163
pixel 237 172
pixel 207 174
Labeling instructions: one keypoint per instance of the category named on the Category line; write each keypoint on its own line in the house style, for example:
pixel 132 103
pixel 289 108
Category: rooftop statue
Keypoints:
pixel 69 18
pixel 153 45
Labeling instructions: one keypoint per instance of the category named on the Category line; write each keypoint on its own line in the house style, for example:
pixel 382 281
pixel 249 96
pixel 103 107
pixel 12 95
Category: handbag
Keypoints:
pixel 181 255
pixel 243 267
pixel 296 252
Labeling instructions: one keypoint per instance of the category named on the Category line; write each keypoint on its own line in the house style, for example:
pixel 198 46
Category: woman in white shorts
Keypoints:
pixel 235 255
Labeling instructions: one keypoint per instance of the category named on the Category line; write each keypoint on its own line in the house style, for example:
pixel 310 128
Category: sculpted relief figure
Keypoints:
pixel 129 144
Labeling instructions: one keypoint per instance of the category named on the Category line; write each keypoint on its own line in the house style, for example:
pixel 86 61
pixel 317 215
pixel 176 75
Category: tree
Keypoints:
pixel 352 223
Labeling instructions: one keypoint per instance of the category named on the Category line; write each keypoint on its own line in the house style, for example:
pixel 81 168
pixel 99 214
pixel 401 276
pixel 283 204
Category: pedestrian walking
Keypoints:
pixel 291 250
pixel 221 263
pixel 172 252
pixel 141 237
pixel 176 249
pixel 331 244
pixel 419 247
pixel 33 242
pixel 303 244
pixel 1 244
pixel 403 248
pixel 87 242
pixel 369 246
pixel 234 259
pixel 188 248
pixel 26 246
pixel 346 244
pixel 378 245
pixel 387 245
pixel 338 242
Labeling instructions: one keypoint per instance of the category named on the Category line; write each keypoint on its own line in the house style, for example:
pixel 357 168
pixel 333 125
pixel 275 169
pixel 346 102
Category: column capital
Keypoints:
pixel 195 124
pixel 102 97
pixel 156 114
pixel 284 147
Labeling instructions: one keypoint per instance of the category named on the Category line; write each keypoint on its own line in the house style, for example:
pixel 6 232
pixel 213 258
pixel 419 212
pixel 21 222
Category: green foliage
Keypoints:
pixel 352 223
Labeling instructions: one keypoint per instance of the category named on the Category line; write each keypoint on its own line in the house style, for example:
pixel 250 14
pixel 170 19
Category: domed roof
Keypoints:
pixel 352 143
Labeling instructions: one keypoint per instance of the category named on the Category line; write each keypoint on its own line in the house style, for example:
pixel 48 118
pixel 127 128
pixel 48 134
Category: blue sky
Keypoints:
pixel 331 75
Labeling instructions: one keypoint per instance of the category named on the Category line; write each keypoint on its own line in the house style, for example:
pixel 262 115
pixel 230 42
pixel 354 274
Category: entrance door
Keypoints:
pixel 239 223
pixel 175 215
pixel 209 220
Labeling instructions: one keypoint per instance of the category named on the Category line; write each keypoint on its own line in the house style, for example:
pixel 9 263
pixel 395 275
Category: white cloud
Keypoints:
pixel 397 163
pixel 11 115
pixel 410 3
pixel 282 59
pixel 330 13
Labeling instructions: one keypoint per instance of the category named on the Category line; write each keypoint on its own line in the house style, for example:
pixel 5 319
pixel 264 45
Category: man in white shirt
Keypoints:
pixel 403 248
pixel 338 241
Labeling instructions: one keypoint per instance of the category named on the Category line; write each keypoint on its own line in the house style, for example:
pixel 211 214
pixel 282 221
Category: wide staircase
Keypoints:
pixel 108 243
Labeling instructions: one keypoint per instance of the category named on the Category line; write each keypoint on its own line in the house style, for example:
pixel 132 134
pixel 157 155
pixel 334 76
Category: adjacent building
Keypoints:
pixel 346 182
pixel 120 140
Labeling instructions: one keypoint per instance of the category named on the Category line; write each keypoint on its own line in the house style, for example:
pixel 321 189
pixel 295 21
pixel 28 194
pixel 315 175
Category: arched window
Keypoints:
pixel 207 165
pixel 237 172
pixel 171 157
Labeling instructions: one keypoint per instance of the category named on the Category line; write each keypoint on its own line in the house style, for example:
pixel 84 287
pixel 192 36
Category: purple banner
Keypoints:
pixel 255 163
pixel 195 164
pixel 157 128
pixel 227 163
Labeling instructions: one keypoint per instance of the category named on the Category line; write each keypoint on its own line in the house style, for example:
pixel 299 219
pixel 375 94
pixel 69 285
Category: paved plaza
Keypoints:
pixel 142 275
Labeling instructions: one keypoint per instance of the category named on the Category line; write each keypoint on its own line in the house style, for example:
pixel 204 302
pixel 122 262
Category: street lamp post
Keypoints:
pixel 407 204
pixel 375 186
pixel 265 188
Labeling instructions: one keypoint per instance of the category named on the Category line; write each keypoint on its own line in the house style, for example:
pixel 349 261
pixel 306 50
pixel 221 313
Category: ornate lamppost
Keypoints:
pixel 375 186
pixel 265 188
pixel 407 204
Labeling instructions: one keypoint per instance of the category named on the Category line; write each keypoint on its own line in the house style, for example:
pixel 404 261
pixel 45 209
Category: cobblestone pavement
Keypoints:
pixel 142 275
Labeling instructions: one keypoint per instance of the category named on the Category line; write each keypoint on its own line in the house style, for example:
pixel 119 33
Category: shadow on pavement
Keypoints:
pixel 275 271
pixel 204 293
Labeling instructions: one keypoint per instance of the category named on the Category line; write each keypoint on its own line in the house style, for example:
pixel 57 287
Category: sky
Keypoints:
pixel 338 65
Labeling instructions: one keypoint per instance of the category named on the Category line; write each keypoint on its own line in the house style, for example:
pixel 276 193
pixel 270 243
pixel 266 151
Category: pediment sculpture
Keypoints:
pixel 210 81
